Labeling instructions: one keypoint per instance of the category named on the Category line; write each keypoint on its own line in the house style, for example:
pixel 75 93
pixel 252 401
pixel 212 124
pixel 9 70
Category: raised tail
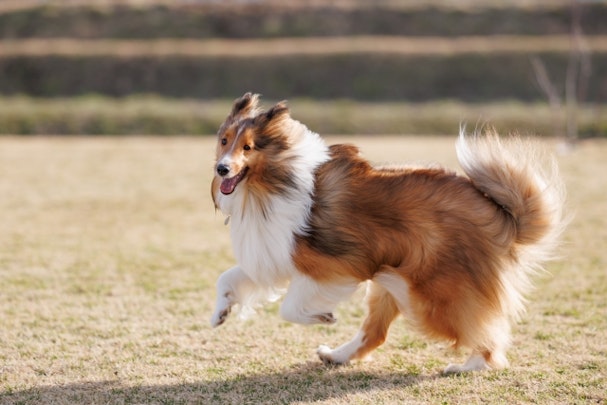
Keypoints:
pixel 518 176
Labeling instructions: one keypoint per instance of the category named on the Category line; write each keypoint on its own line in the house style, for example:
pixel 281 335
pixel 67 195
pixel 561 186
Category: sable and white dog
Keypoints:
pixel 451 253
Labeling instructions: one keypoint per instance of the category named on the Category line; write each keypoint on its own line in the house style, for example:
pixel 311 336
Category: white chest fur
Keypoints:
pixel 263 244
pixel 263 228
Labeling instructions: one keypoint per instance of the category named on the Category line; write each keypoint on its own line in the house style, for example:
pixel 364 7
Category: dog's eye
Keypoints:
pixel 247 147
pixel 224 141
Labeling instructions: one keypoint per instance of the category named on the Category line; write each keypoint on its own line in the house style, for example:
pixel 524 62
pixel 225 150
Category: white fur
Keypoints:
pixel 226 161
pixel 475 362
pixel 343 353
pixel 398 288
pixel 263 229
pixel 309 302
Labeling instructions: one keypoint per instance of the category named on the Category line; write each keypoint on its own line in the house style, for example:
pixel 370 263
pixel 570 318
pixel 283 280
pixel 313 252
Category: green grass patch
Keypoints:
pixel 95 115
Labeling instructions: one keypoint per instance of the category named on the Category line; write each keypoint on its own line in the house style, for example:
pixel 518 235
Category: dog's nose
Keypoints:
pixel 222 169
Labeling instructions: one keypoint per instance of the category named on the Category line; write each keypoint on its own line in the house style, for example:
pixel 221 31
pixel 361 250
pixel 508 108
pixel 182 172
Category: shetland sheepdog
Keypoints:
pixel 452 253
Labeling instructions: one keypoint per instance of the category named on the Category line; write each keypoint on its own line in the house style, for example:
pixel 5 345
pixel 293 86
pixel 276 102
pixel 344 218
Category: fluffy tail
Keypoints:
pixel 525 182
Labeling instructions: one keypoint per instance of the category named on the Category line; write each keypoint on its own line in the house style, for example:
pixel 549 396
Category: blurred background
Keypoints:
pixel 347 66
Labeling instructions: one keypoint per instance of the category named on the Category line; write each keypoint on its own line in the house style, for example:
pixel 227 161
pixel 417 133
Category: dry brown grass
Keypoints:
pixel 438 46
pixel 110 247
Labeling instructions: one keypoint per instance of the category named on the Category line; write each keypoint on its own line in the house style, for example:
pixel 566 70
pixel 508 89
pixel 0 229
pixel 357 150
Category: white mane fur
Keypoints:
pixel 263 229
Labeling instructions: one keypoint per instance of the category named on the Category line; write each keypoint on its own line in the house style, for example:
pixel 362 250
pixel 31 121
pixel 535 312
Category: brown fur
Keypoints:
pixel 431 227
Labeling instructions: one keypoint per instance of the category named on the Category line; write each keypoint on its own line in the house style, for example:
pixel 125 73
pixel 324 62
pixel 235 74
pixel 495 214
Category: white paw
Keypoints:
pixel 219 317
pixel 454 369
pixel 328 357
pixel 222 310
pixel 474 363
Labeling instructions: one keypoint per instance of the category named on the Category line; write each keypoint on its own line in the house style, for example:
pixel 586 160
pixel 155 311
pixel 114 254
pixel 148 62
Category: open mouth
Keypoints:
pixel 229 185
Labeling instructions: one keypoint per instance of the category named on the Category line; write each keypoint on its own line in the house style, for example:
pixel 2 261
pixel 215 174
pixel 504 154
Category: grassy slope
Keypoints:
pixel 110 248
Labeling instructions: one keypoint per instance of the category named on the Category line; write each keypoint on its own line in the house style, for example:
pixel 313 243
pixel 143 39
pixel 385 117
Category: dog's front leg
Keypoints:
pixel 309 302
pixel 233 286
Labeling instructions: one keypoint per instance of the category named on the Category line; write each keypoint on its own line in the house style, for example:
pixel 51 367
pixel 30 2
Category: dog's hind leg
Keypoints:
pixel 479 362
pixel 491 353
pixel 382 311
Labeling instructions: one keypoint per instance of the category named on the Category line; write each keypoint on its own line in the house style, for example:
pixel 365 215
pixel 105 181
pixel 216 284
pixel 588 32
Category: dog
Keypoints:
pixel 454 254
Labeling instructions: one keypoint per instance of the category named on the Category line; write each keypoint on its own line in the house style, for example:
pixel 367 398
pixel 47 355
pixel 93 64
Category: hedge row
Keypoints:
pixel 471 78
pixel 156 116
pixel 94 115
pixel 262 21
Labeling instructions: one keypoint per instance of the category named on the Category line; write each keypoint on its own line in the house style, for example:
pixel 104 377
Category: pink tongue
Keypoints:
pixel 228 185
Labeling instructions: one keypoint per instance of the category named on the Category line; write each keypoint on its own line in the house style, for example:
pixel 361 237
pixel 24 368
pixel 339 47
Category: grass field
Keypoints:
pixel 110 247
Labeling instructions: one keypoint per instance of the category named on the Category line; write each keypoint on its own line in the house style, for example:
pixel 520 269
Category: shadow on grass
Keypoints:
pixel 304 382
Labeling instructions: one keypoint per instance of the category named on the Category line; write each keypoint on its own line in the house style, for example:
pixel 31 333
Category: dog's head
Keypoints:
pixel 248 141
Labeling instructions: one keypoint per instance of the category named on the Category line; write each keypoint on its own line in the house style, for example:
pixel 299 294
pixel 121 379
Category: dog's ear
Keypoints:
pixel 275 113
pixel 278 110
pixel 270 130
pixel 245 106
